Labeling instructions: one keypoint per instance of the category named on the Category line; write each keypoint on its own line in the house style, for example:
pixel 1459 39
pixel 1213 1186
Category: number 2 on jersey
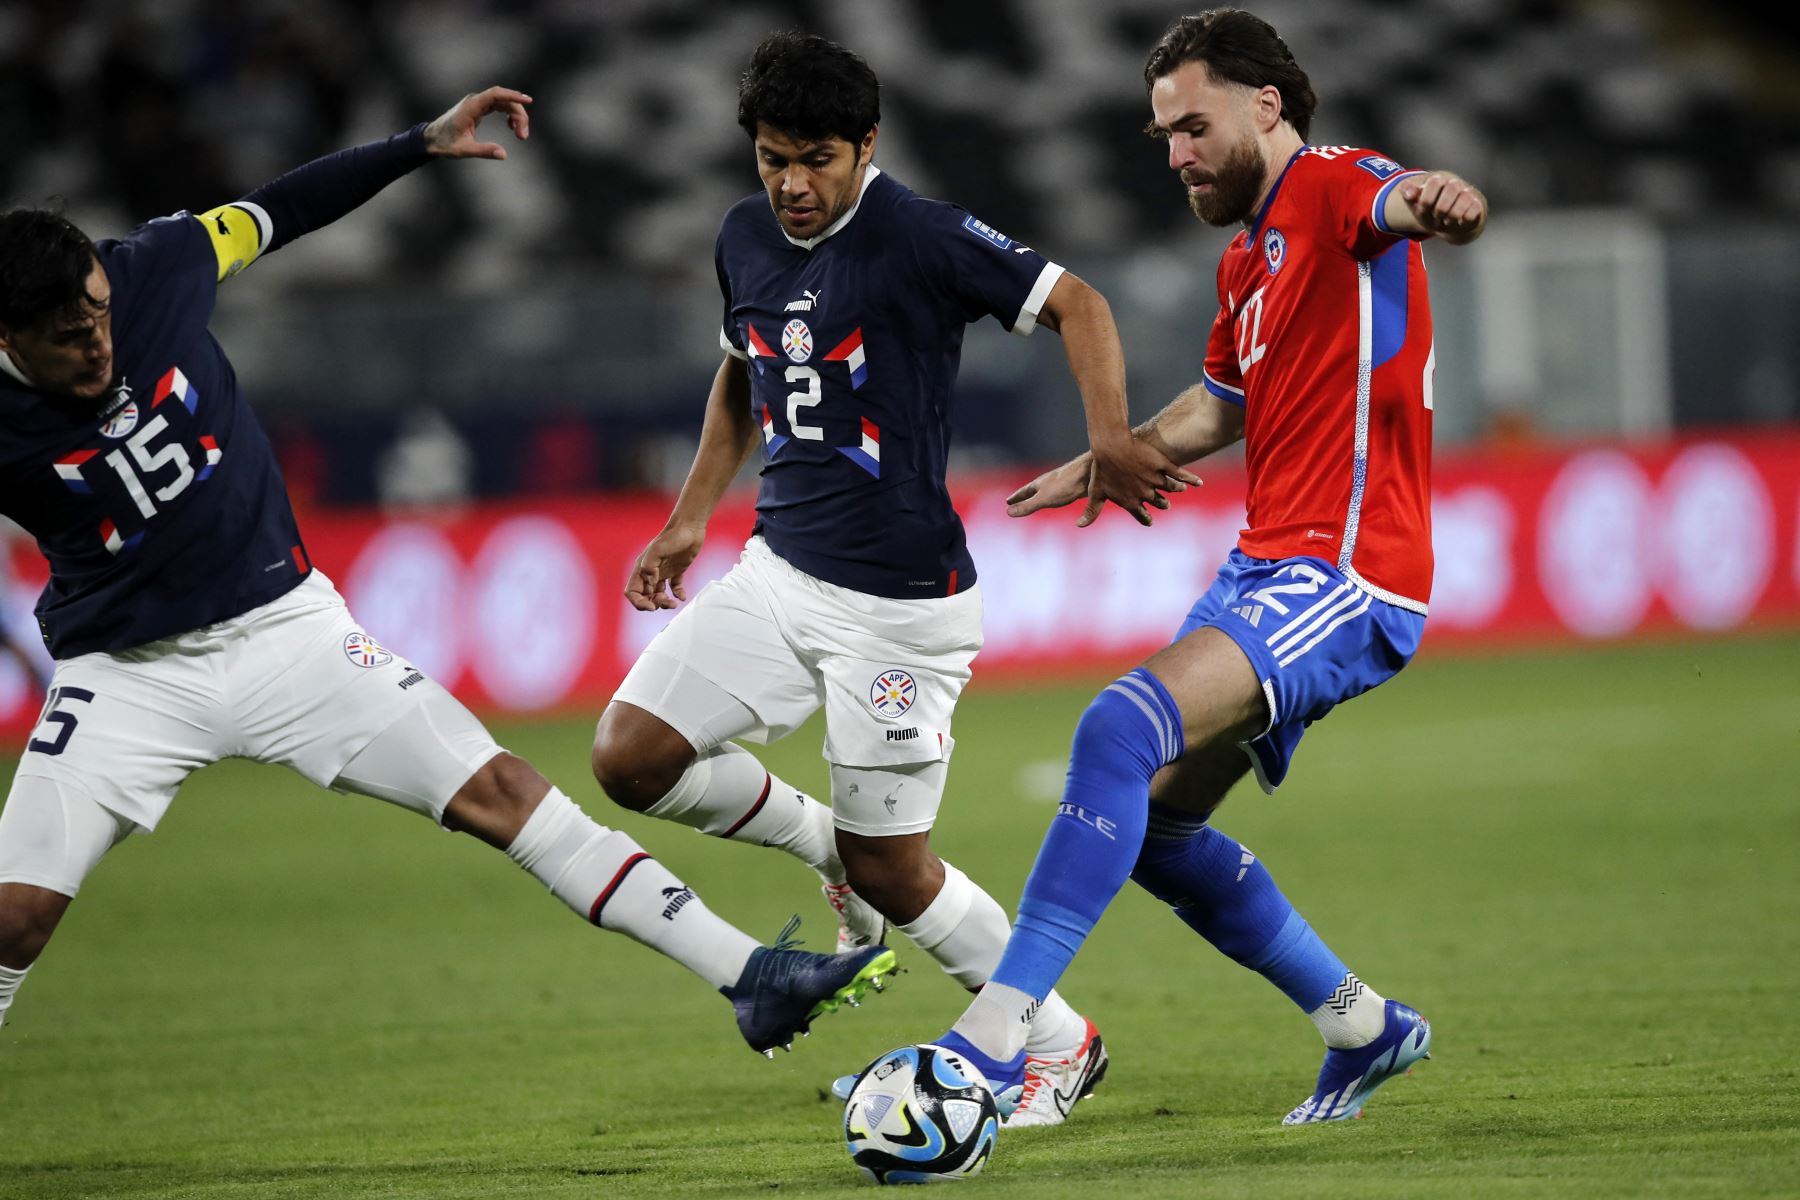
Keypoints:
pixel 804 399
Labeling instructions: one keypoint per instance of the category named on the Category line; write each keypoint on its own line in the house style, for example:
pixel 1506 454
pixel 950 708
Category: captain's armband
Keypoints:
pixel 239 232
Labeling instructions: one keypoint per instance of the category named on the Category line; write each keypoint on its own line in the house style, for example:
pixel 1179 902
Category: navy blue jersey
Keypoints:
pixel 159 505
pixel 853 339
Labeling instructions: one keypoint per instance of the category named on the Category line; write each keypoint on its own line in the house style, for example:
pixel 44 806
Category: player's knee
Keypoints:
pixel 1132 727
pixel 637 759
pixel 514 786
pixel 899 876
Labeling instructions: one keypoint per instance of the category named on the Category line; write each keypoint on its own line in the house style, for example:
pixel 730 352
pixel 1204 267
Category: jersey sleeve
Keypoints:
pixel 730 340
pixel 1357 184
pixel 980 269
pixel 172 261
pixel 1221 376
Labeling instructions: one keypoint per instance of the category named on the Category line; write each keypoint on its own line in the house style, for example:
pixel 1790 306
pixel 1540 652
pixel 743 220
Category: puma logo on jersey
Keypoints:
pixel 805 305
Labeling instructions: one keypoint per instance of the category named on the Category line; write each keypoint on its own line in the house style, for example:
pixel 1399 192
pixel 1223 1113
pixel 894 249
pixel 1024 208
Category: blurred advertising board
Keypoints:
pixel 517 606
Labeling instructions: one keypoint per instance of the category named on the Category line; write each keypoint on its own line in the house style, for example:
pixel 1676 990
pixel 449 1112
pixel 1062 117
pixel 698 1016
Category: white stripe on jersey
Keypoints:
pixel 1365 368
pixel 1026 321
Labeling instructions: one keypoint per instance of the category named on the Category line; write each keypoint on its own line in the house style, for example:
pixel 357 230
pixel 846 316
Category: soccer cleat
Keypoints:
pixel 1350 1077
pixel 1005 1079
pixel 1053 1085
pixel 858 923
pixel 784 988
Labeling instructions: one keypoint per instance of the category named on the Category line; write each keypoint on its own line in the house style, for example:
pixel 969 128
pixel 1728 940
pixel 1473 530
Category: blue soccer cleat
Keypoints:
pixel 783 988
pixel 1350 1077
pixel 1005 1080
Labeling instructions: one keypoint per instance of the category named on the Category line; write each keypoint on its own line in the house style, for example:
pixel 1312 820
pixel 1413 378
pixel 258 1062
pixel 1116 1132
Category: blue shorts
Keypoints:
pixel 1314 638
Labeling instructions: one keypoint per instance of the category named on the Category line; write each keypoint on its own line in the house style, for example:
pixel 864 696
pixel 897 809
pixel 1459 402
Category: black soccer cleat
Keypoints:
pixel 783 988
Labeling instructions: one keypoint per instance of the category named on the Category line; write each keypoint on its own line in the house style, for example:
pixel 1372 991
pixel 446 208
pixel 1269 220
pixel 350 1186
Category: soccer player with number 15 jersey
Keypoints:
pixel 189 624
pixel 1320 359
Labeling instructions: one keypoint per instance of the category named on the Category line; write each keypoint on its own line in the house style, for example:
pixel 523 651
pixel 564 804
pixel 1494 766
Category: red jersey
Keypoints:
pixel 1324 338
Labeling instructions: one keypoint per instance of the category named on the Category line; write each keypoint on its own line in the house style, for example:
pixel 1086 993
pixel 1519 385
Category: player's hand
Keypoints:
pixel 656 577
pixel 453 134
pixel 1053 489
pixel 1132 474
pixel 1446 205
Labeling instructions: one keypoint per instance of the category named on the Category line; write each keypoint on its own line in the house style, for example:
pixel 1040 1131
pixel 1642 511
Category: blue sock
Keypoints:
pixel 1131 730
pixel 1229 898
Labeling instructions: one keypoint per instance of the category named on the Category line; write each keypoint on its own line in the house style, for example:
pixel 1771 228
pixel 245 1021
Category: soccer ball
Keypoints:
pixel 920 1114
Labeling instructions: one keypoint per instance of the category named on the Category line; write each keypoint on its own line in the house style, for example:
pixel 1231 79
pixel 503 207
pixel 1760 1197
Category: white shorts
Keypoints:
pixel 295 682
pixel 783 643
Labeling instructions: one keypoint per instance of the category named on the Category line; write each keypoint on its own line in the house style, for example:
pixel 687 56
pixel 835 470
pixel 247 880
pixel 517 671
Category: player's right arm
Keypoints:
pixel 313 196
pixel 1190 427
pixel 728 438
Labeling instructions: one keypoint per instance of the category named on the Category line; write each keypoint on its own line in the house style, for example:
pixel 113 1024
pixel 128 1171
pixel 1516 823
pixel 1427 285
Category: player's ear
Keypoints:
pixel 1268 107
pixel 865 151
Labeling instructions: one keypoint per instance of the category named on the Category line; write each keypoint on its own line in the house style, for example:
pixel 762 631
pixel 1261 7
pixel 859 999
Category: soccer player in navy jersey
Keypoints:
pixel 845 300
pixel 189 624
pixel 1320 360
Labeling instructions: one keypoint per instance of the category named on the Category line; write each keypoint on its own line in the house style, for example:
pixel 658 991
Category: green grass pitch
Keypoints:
pixel 1584 867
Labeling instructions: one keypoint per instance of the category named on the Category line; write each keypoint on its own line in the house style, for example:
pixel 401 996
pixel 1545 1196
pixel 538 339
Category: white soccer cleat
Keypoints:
pixel 859 925
pixel 1053 1085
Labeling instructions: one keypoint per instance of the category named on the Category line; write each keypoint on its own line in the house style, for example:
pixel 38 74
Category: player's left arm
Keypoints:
pixel 315 195
pixel 1436 203
pixel 1127 471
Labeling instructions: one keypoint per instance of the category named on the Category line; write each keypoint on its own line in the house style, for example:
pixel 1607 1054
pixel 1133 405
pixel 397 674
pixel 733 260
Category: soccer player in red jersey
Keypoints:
pixel 1320 359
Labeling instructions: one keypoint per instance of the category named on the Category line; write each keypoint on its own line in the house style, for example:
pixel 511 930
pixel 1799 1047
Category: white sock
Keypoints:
pixel 727 793
pixel 1353 1015
pixel 10 982
pixel 965 930
pixel 998 1022
pixel 607 877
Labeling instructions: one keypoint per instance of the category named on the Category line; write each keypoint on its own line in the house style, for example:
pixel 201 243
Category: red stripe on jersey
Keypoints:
pixel 758 347
pixel 300 559
pixel 952 590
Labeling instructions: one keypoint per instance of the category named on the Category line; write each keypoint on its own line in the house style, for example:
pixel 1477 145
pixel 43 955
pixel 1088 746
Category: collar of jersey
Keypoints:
pixel 869 176
pixel 12 368
pixel 1262 212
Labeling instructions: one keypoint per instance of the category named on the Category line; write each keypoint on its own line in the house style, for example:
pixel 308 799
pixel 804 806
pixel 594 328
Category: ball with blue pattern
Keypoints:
pixel 920 1114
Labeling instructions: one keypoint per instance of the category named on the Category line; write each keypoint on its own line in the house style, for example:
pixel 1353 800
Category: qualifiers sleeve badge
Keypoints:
pixel 892 693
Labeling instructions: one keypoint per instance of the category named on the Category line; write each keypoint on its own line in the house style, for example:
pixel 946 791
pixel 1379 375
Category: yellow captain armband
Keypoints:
pixel 239 231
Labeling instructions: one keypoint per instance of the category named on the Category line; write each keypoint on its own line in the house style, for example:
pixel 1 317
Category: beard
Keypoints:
pixel 1235 188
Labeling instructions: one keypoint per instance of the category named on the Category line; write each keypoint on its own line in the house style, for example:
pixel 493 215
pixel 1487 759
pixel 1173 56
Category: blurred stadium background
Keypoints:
pixel 480 384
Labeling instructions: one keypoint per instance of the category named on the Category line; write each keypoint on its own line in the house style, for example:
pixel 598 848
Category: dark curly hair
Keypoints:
pixel 44 266
pixel 808 88
pixel 1237 47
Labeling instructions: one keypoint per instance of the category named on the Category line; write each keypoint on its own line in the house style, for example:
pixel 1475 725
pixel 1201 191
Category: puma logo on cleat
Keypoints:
pixel 677 898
